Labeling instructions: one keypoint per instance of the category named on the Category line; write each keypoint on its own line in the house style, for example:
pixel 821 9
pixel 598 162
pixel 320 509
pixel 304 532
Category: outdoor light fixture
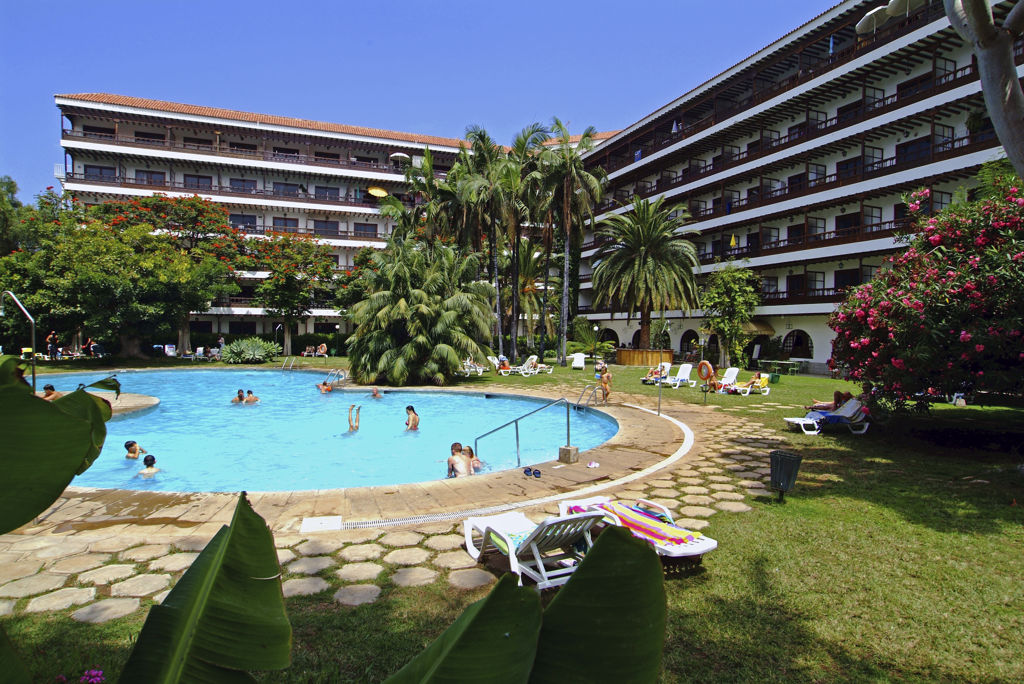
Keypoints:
pixel 31 320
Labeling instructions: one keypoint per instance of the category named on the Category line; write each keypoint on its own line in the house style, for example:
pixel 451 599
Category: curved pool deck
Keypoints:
pixel 644 441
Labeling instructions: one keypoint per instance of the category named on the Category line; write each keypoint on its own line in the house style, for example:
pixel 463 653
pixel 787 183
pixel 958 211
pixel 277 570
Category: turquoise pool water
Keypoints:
pixel 298 439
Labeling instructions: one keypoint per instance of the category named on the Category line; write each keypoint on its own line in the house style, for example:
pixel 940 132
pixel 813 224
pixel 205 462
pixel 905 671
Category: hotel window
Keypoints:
pixel 324 192
pixel 241 147
pixel 872 217
pixel 242 220
pixel 327 156
pixel 770 235
pixel 286 153
pixel 815 174
pixel 197 143
pixel 815 281
pixel 149 138
pixel 769 284
pixel 242 185
pixel 847 278
pixel 93 172
pixel 941 200
pixel 815 226
pixel 97 132
pixel 285 223
pixel 943 138
pixel 849 168
pixel 873 97
pixel 366 160
pixel 867 273
pixel 816 119
pixel 325 227
pixel 150 177
pixel 944 67
pixel 198 182
pixel 364 229
pixel 241 327
pixel 286 189
pixel 872 158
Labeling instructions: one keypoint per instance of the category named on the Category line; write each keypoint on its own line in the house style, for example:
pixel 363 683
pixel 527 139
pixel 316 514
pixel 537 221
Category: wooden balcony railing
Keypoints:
pixel 262 229
pixel 808 71
pixel 251 302
pixel 809 296
pixel 141 182
pixel 224 149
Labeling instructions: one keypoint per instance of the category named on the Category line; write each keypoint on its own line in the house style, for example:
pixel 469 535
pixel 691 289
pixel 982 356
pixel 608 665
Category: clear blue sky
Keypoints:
pixel 424 67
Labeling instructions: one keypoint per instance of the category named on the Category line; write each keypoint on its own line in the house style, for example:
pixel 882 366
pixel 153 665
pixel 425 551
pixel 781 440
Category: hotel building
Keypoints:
pixel 268 172
pixel 793 163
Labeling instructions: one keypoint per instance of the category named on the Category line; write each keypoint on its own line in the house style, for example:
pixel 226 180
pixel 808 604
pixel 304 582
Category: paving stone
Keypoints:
pixel 63 550
pixel 106 574
pixel 695 490
pixel 13 570
pixel 303 587
pixel 401 539
pixel 357 594
pixel 361 552
pixel 753 484
pixel 665 493
pixel 140 585
pixel 310 565
pixel 60 599
pixel 696 512
pixel 767 471
pixel 735 467
pixel 76 564
pixel 697 499
pixel 747 475
pixel 359 536
pixel 33 543
pixel 358 572
pixel 660 483
pixel 284 541
pixel 687 472
pixel 444 542
pixel 724 460
pixel 692 481
pixel 454 559
pixel 434 528
pixel 719 478
pixel 106 610
pixel 175 562
pixel 113 544
pixel 721 487
pixel 414 577
pixel 30 586
pixel 692 523
pixel 319 547
pixel 732 506
pixel 710 470
pixel 159 598
pixel 407 556
pixel 6 607
pixel 670 504
pixel 194 543
pixel 145 553
pixel 742 458
pixel 728 496
pixel 284 555
pixel 470 579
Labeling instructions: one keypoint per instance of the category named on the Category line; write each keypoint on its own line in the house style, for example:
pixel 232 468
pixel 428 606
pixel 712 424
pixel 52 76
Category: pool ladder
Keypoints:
pixel 580 404
pixel 288 363
pixel 515 423
pixel 336 376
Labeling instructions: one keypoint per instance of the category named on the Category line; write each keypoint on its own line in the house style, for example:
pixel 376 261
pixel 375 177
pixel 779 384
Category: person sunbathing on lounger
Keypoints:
pixel 838 399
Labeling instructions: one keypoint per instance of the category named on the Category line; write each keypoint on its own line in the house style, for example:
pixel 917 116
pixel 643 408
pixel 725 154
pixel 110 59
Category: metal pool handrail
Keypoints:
pixel 515 421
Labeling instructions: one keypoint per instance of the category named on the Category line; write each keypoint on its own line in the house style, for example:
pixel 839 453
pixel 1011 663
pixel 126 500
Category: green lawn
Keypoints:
pixel 899 556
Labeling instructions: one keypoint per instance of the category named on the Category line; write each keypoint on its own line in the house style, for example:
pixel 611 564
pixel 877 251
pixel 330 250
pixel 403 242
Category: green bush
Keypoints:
pixel 249 350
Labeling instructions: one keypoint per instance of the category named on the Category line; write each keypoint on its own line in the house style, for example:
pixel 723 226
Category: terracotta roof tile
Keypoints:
pixel 249 117
pixel 602 135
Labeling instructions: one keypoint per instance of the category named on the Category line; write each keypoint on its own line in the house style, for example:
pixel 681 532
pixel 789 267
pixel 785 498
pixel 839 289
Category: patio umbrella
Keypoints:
pixel 732 243
pixel 377 192
pixel 896 8
pixel 872 20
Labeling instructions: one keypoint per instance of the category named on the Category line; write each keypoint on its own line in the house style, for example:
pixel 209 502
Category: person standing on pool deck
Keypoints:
pixel 353 426
pixel 133 449
pixel 412 420
pixel 251 398
pixel 606 384
pixel 239 398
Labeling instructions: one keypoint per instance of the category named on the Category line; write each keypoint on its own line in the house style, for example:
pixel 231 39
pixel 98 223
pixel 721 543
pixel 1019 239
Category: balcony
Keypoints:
pixel 250 302
pixel 197 188
pixel 807 72
pixel 824 295
pixel 261 229
pixel 870 231
pixel 225 150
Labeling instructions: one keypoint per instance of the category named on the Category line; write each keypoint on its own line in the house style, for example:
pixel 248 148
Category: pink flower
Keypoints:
pixel 965 336
pixel 935 240
pixel 898 363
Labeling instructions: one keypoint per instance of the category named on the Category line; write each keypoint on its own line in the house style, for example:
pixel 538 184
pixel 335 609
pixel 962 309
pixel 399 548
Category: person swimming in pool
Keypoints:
pixel 475 463
pixel 239 398
pixel 50 393
pixel 150 470
pixel 375 394
pixel 412 420
pixel 251 398
pixel 458 463
pixel 353 425
pixel 133 449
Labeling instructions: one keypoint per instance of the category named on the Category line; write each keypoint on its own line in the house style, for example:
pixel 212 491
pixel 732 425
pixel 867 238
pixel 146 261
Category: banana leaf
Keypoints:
pixel 13 669
pixel 492 641
pixel 225 615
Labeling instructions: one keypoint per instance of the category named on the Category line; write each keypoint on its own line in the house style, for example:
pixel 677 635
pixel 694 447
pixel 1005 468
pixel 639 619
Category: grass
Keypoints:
pixel 897 557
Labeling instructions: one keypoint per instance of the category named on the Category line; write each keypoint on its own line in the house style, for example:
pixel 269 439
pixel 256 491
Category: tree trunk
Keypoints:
pixel 645 328
pixel 544 297
pixel 287 338
pixel 997 71
pixel 564 321
pixel 514 322
pixel 184 338
pixel 497 289
pixel 130 348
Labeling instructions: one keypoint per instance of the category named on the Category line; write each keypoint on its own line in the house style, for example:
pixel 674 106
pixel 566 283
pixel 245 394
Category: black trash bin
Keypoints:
pixel 785 465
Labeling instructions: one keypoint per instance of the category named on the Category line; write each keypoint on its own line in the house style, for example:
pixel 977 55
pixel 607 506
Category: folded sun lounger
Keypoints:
pixel 648 521
pixel 849 414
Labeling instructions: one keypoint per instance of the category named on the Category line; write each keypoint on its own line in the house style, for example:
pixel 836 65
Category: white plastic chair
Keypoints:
pixel 683 377
pixel 578 361
pixel 729 379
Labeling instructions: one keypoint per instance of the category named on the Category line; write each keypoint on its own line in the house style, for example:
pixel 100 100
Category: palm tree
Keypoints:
pixel 424 313
pixel 575 191
pixel 534 282
pixel 647 264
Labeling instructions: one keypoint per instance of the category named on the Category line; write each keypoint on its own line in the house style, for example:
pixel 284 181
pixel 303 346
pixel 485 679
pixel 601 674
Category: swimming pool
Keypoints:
pixel 298 439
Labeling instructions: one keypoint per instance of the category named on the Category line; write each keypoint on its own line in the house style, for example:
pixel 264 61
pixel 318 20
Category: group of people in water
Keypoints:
pixel 149 460
pixel 246 397
pixel 463 462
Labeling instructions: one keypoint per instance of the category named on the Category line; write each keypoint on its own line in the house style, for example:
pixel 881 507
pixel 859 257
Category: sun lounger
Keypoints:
pixel 760 387
pixel 850 414
pixel 546 552
pixel 648 521
pixel 578 361
pixel 683 377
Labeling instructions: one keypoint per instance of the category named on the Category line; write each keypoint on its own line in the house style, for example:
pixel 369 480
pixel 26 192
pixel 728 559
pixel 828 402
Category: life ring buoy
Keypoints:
pixel 705 371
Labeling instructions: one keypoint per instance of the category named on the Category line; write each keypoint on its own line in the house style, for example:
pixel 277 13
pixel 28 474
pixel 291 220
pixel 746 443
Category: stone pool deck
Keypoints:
pixel 101 554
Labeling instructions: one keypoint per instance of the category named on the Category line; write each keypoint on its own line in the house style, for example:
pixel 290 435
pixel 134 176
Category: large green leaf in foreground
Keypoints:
pixel 607 624
pixel 225 615
pixel 45 444
pixel 13 669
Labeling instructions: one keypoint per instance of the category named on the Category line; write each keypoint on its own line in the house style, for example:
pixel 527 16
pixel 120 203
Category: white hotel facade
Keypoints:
pixel 792 163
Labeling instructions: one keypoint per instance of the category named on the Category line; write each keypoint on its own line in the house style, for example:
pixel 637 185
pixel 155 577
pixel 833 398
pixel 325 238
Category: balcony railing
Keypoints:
pixel 251 302
pixel 337 233
pixel 808 296
pixel 148 183
pixel 225 150
pixel 807 72
pixel 869 231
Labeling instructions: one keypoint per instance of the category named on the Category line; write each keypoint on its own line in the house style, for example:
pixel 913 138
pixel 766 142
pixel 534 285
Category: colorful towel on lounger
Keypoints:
pixel 647 524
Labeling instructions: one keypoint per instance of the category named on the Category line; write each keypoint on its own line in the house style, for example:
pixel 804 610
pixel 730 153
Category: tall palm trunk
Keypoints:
pixel 544 297
pixel 514 323
pixel 564 321
pixel 493 239
pixel 645 328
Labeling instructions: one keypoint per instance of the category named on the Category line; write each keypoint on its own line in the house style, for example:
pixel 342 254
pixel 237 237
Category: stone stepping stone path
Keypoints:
pixel 304 587
pixel 106 610
pixel 60 599
pixel 140 585
pixel 359 572
pixel 310 565
pixel 357 594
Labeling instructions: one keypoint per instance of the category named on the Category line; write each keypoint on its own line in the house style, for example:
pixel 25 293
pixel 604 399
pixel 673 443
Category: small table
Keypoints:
pixel 783 367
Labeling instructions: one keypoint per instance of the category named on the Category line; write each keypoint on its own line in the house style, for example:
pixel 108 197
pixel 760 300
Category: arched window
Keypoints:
pixel 761 342
pixel 609 335
pixel 689 341
pixel 798 345
pixel 636 340
pixel 711 351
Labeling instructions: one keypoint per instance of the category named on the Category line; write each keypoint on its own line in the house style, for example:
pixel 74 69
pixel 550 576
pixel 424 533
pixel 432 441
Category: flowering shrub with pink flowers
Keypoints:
pixel 949 314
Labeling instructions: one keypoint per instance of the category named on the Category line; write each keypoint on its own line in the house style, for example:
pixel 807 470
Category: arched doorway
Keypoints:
pixel 636 340
pixel 797 344
pixel 689 345
pixel 711 351
pixel 760 344
pixel 609 335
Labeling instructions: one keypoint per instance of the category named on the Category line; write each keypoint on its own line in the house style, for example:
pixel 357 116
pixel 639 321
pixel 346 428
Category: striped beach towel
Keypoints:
pixel 647 525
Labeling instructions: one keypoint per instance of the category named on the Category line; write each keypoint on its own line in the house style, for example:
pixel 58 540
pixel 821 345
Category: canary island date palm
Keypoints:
pixel 648 264
pixel 425 312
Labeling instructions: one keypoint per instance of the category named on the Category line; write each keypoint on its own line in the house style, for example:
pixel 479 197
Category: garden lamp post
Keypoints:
pixel 703 339
pixel 594 353
pixel 277 329
pixel 337 339
pixel 31 320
